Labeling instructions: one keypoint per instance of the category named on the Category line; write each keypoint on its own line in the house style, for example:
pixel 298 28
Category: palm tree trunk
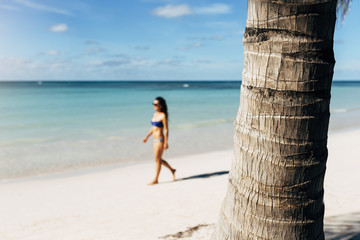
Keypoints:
pixel 275 188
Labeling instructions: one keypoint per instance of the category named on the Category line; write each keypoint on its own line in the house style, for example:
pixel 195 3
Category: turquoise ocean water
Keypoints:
pixel 54 126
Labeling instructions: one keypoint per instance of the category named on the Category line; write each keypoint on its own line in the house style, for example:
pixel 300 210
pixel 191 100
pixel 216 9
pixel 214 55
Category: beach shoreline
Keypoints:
pixel 174 153
pixel 115 203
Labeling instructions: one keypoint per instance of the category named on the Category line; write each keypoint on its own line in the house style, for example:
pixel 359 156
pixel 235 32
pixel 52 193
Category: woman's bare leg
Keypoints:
pixel 158 149
pixel 173 170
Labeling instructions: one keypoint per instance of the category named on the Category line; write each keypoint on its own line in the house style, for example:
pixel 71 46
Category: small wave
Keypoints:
pixel 204 123
pixel 115 138
pixel 24 141
pixel 186 85
pixel 339 110
pixel 344 110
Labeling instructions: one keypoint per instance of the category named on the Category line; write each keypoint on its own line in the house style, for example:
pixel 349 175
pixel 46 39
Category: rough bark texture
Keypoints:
pixel 275 188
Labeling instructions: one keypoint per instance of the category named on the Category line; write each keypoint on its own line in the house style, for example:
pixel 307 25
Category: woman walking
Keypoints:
pixel 160 131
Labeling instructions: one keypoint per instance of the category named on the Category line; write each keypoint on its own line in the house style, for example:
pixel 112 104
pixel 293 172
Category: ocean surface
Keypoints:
pixel 48 127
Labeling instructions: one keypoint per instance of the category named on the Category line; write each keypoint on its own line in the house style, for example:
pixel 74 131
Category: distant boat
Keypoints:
pixel 186 85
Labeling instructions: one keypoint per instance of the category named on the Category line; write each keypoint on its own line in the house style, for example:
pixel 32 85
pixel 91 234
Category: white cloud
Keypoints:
pixel 143 48
pixel 59 28
pixel 122 60
pixel 52 53
pixel 94 50
pixel 217 8
pixel 197 38
pixel 114 63
pixel 91 42
pixel 201 61
pixel 26 69
pixel 134 68
pixel 192 45
pixel 172 11
pixel 169 62
pixel 123 56
pixel 15 61
pixel 41 7
pixel 196 45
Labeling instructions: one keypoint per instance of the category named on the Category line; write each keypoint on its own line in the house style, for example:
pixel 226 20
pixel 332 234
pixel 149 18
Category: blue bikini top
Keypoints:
pixel 158 124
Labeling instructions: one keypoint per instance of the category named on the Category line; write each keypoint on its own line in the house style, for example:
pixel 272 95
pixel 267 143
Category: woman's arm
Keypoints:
pixel 166 133
pixel 148 135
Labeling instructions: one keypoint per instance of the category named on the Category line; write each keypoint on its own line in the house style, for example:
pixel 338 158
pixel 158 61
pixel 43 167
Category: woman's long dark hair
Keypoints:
pixel 163 105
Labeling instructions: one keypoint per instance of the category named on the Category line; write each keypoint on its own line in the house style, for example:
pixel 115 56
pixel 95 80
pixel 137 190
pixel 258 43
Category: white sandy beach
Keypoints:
pixel 115 203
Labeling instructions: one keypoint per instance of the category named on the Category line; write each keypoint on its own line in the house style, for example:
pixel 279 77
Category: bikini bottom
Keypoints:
pixel 158 139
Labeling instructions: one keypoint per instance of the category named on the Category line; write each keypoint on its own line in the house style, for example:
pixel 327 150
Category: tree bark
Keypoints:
pixel 275 188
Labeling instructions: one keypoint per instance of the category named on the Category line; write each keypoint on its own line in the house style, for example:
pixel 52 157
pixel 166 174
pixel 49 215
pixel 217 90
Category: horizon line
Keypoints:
pixel 49 81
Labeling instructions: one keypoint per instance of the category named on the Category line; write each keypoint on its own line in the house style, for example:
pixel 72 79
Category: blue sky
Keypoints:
pixel 139 40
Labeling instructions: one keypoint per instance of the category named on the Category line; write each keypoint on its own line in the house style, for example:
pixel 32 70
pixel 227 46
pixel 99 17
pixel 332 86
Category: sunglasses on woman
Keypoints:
pixel 155 104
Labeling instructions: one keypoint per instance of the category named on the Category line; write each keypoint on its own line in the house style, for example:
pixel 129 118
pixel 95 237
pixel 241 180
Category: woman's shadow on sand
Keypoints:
pixel 204 175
